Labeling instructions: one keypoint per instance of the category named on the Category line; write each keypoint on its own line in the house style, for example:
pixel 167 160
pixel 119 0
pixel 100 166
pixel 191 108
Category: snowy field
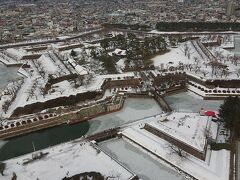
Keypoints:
pixel 52 65
pixel 188 128
pixel 193 59
pixel 174 56
pixel 66 160
pixel 31 90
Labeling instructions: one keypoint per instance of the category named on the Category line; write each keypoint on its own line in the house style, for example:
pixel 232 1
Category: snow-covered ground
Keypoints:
pixel 188 128
pixel 173 57
pixel 62 89
pixel 55 64
pixel 191 57
pixel 66 160
pixel 215 167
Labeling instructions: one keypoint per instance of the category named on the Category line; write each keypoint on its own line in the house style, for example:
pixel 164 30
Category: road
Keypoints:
pixel 39 42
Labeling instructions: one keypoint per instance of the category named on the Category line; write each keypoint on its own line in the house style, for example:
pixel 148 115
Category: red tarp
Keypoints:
pixel 209 113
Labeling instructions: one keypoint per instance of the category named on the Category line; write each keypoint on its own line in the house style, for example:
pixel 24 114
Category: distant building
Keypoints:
pixel 237 11
pixel 230 8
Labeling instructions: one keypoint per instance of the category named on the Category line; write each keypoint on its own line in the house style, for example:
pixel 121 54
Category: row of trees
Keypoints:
pixel 12 91
pixel 135 47
pixel 230 113
pixel 107 61
pixel 127 26
pixel 138 50
pixel 143 49
pixel 197 26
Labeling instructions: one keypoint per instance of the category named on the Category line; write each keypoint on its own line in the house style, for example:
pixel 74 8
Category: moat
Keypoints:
pixel 133 109
pixel 7 74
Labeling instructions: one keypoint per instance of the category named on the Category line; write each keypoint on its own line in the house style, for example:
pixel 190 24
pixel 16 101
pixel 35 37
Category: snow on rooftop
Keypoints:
pixel 62 37
pixel 115 76
pixel 188 128
pixel 66 160
pixel 121 64
pixel 120 52
pixel 49 66
pixel 79 69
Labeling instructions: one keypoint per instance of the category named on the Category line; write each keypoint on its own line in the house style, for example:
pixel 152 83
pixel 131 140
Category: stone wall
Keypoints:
pixel 185 147
pixel 92 110
pixel 231 83
pixel 69 47
pixel 174 78
pixel 61 101
pixel 41 48
pixel 175 89
pixel 161 101
pixel 32 56
pixel 108 83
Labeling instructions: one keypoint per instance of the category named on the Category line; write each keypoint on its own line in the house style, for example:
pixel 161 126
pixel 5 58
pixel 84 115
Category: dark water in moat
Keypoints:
pixel 42 139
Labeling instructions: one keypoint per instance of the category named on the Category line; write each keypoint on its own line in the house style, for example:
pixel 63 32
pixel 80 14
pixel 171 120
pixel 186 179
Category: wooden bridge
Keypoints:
pixel 104 135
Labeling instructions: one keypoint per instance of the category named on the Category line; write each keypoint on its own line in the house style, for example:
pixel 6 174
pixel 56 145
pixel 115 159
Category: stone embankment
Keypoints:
pixel 161 101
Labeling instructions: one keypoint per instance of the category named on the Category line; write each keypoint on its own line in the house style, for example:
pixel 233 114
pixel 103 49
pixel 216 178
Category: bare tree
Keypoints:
pixel 204 73
pixel 6 105
pixel 116 176
pixel 42 91
pixel 177 150
pixel 207 132
pixel 238 72
pixel 61 91
pixel 186 49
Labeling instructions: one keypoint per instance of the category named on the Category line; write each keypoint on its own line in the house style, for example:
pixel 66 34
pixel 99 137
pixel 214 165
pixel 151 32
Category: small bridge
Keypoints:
pixel 104 135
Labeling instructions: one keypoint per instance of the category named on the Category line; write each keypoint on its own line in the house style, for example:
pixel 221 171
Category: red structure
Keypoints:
pixel 210 113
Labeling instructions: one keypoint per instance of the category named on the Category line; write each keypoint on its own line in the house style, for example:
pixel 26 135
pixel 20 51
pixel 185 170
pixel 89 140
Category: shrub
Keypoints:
pixel 220 146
